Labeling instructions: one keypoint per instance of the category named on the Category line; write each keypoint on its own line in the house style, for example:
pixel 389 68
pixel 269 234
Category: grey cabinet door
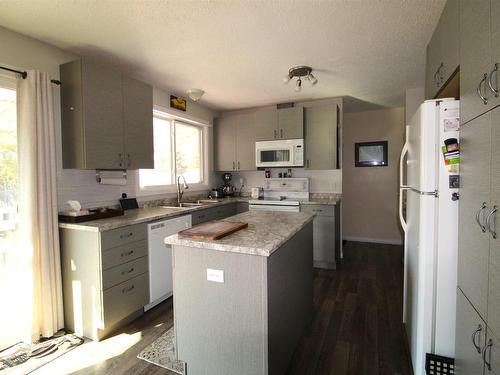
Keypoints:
pixel 495 46
pixel 449 30
pixel 324 240
pixel 291 123
pixel 468 360
pixel 246 135
pixel 494 265
pixel 102 117
pixel 265 124
pixel 432 83
pixel 475 57
pixel 138 124
pixel 492 354
pixel 321 137
pixel 473 244
pixel 225 144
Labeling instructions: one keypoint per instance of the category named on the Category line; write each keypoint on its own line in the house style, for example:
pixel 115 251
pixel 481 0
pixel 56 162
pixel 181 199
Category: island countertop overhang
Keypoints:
pixel 266 232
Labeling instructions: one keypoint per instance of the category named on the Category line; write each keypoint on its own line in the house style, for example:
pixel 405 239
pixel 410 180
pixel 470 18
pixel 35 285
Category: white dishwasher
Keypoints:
pixel 160 257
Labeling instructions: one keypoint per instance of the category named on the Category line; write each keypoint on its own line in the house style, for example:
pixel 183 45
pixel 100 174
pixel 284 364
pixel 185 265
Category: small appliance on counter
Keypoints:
pixel 216 193
pixel 227 189
pixel 128 203
pixel 257 193
pixel 77 215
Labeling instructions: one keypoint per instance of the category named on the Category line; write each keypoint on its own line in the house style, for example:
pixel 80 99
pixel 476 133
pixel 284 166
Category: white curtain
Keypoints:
pixel 38 230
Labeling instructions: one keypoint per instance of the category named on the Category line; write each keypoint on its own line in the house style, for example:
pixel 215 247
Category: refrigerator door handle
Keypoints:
pixel 404 151
pixel 404 225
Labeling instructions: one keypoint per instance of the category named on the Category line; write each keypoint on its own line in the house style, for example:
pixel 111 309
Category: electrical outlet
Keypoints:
pixel 215 275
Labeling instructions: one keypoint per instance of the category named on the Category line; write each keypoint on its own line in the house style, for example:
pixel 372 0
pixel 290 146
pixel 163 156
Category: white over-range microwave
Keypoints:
pixel 280 153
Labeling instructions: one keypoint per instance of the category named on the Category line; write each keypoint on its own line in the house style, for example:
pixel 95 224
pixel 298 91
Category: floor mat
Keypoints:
pixel 161 352
pixel 23 358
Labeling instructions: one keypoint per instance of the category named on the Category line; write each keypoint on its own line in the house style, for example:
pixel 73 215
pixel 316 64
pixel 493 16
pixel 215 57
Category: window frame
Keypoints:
pixel 164 113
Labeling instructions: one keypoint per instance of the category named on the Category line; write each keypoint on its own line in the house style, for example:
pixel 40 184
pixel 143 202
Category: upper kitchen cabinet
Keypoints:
pixel 443 50
pixel 290 123
pixel 107 120
pixel 224 143
pixel 321 137
pixel 138 124
pixel 475 58
pixel 265 124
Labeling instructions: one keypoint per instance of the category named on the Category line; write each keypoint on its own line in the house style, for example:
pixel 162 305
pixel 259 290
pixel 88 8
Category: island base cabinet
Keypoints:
pixel 250 320
pixel 470 338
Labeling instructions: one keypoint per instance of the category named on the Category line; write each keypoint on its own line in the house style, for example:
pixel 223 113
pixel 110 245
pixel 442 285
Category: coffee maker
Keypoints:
pixel 227 189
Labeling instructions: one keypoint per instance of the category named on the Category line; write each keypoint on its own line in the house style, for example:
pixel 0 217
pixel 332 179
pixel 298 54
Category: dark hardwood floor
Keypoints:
pixel 356 328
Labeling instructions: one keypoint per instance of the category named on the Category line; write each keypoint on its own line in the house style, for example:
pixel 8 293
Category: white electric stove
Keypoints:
pixel 282 194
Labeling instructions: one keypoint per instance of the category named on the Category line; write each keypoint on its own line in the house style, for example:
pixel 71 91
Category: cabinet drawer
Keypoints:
pixel 124 272
pixel 125 298
pixel 318 209
pixel 123 254
pixel 121 236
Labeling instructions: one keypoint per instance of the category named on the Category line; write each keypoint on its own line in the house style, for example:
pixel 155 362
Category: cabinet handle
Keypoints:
pixel 234 166
pixel 129 161
pixel 121 159
pixel 125 290
pixel 127 253
pixel 281 133
pixel 483 206
pixel 478 331
pixel 478 90
pixel 317 210
pixel 126 235
pixel 436 79
pixel 490 84
pixel 129 271
pixel 488 222
pixel 238 165
pixel 275 133
pixel 487 348
pixel 307 163
pixel 440 72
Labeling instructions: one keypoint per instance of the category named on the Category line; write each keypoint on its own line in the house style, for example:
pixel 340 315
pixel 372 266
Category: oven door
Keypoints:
pixel 274 156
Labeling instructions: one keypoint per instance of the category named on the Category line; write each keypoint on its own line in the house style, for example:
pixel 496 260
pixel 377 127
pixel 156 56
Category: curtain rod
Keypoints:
pixel 24 74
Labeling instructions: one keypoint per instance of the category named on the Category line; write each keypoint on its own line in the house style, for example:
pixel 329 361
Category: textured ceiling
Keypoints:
pixel 238 51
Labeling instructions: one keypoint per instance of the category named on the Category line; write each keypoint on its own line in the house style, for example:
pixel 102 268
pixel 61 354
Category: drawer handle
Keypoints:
pixel 474 335
pixel 488 222
pixel 129 289
pixel 127 235
pixel 317 210
pixel 129 271
pixel 127 253
pixel 487 348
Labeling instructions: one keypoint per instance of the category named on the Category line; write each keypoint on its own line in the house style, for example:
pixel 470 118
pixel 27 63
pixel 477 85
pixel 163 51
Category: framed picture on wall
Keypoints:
pixel 371 154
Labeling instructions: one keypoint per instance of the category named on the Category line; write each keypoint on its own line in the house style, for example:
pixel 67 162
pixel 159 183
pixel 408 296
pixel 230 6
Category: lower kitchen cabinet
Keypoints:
pixel 105 278
pixel 241 207
pixel 215 213
pixel 491 355
pixel 470 339
pixel 326 232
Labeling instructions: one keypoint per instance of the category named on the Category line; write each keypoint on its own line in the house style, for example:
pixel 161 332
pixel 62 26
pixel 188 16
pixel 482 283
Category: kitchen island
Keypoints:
pixel 242 302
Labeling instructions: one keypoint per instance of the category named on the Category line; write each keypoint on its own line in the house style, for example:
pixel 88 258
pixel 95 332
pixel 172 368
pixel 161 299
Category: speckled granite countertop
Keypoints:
pixel 328 200
pixel 266 232
pixel 143 215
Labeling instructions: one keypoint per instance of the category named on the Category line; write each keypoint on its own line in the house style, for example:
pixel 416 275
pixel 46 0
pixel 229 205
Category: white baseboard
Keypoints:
pixel 373 240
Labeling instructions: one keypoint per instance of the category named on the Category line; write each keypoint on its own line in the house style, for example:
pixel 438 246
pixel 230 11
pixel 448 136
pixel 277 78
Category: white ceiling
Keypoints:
pixel 238 51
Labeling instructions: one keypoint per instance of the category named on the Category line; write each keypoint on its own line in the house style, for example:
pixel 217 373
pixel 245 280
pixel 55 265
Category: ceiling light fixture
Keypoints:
pixel 195 94
pixel 300 72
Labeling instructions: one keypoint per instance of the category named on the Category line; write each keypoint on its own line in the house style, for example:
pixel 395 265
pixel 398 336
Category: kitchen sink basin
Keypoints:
pixel 184 205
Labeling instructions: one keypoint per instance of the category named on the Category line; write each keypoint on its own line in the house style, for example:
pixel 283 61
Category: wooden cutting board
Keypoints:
pixel 212 230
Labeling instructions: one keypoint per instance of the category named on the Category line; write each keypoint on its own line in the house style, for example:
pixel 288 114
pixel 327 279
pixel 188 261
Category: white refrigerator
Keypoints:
pixel 428 210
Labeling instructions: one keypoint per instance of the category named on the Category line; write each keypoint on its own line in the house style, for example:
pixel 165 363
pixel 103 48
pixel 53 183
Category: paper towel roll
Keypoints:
pixel 112 181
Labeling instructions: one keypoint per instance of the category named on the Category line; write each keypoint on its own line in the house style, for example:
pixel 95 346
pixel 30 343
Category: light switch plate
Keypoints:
pixel 215 275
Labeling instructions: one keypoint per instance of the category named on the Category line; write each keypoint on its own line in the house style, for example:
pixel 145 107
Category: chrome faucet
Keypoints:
pixel 180 192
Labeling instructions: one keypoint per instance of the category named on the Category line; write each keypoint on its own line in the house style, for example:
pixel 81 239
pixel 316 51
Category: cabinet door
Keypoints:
pixel 103 117
pixel 265 124
pixel 470 326
pixel 449 30
pixel 321 137
pixel 138 124
pixel 324 240
pixel 492 353
pixel 225 145
pixel 475 56
pixel 432 83
pixel 495 46
pixel 494 265
pixel 245 142
pixel 473 244
pixel 291 123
